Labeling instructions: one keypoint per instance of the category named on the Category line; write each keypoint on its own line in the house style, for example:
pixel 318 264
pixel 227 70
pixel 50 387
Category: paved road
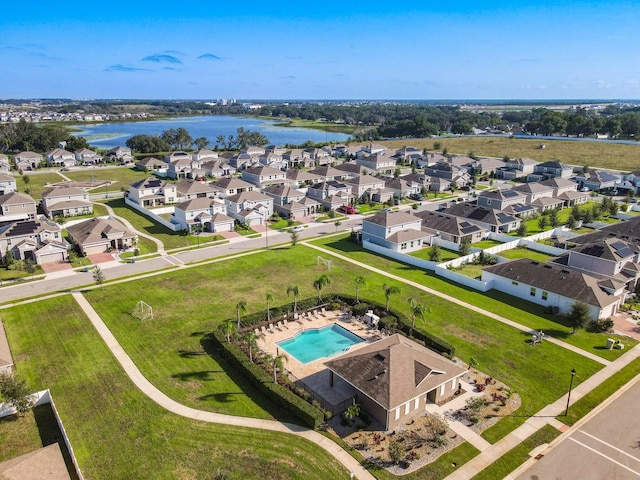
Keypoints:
pixel 605 447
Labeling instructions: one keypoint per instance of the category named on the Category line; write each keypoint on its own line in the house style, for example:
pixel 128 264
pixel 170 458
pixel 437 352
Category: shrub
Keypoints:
pixel 361 308
pixel 601 325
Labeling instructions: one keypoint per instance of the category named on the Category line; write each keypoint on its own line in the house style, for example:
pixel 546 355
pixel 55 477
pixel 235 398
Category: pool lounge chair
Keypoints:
pixel 279 326
pixel 284 323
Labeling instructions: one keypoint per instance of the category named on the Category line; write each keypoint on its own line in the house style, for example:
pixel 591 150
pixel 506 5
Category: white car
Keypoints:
pixel 299 228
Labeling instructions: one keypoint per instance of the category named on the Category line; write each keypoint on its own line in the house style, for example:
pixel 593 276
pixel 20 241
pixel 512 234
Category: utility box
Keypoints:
pixel 610 343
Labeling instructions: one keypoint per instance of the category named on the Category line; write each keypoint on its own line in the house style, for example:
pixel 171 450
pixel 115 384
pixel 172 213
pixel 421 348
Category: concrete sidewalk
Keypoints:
pixel 161 399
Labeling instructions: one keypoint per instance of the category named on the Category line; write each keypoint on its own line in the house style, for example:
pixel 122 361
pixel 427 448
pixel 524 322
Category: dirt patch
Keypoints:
pixel 479 340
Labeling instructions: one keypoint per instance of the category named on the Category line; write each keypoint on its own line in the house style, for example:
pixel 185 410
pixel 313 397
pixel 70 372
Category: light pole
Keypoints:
pixel 573 374
pixel 198 226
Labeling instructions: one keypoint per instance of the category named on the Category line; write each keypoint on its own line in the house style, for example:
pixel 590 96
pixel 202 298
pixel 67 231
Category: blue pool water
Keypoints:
pixel 316 343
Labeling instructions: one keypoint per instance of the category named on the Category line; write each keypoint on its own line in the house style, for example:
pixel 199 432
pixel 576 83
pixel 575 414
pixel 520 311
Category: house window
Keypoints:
pixel 397 415
pixel 514 283
pixel 545 295
pixel 403 246
pixel 532 292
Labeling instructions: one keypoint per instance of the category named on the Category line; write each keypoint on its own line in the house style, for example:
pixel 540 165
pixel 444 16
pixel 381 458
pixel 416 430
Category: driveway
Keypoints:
pixel 55 267
pixel 624 324
pixel 101 258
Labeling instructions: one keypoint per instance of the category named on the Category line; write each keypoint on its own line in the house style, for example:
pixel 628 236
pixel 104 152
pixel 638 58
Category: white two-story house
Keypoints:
pixel 399 231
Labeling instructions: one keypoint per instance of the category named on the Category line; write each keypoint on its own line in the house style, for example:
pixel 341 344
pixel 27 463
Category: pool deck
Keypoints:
pixel 268 340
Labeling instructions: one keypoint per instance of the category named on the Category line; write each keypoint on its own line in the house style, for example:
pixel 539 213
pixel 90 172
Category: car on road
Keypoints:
pixel 348 209
pixel 416 196
pixel 298 228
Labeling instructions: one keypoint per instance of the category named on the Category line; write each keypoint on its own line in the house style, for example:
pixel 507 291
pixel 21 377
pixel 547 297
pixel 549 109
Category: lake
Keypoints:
pixel 109 135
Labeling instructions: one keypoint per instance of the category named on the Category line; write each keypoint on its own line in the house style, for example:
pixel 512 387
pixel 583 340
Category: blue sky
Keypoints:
pixel 328 50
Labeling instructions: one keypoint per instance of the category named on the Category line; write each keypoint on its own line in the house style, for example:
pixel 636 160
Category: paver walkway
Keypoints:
pixel 462 303
pixel 161 399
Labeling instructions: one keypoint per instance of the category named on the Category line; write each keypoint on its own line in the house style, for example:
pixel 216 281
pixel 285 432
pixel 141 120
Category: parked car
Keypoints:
pixel 297 228
pixel 416 196
pixel 348 209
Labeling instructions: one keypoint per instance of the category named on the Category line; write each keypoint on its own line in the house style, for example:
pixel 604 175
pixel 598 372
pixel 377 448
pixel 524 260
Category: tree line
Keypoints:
pixel 24 136
pixel 180 139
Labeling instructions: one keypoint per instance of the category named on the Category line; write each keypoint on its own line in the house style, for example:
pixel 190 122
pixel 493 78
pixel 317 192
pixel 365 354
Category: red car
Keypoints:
pixel 348 209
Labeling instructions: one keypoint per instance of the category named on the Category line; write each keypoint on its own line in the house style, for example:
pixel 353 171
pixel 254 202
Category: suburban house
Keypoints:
pixel 231 186
pixel 543 204
pixel 331 194
pixel 66 202
pixel 242 161
pixel 449 172
pixel 204 154
pixel 301 178
pixel 17 206
pixel 516 168
pixel 318 155
pixel 396 230
pixel 85 156
pixel 395 378
pixel 274 160
pixel 373 187
pixel 400 187
pixel 535 190
pixel 352 169
pixel 37 240
pixel 99 235
pixel 501 199
pixel 181 165
pixel 450 228
pixel 189 189
pixel 27 160
pixel 295 159
pixel 252 208
pixel 378 162
pixel 567 191
pixel 216 168
pixel 152 192
pixel 291 203
pixel 263 175
pixel 7 183
pixel 550 169
pixel 595 180
pixel 5 165
pixel 327 172
pixel 371 149
pixel 492 220
pixel 59 157
pixel 607 258
pixel 202 214
pixel 121 155
pixel 556 287
pixel 628 231
pixel 152 164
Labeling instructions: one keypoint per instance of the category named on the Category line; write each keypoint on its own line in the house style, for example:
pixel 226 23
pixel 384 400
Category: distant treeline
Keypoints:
pixel 25 136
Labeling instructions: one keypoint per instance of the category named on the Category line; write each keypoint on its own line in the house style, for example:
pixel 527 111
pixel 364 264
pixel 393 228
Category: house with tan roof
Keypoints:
pixel 450 228
pixel 400 231
pixel 501 199
pixel 204 154
pixel 17 206
pixel 264 175
pixel 378 163
pixel 217 168
pixel 99 235
pixel 330 194
pixel 492 220
pixel 252 208
pixel 37 240
pixel 203 213
pixel 189 189
pixel 396 378
pixel 27 160
pixel 232 186
pixel 121 155
pixel 59 157
pixel 66 202
pixel 291 203
pixel 301 178
pixel 84 156
pixel 7 183
pixel 555 286
pixel 154 165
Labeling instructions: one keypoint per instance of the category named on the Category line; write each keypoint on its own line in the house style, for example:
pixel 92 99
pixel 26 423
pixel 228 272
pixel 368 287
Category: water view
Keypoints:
pixel 109 135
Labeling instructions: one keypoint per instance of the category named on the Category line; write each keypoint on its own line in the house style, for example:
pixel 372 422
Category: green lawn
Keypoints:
pixel 521 311
pixel 515 253
pixel 18 435
pixel 445 255
pixel 37 183
pixel 470 270
pixel 169 352
pixel 123 176
pixel 603 391
pixel 517 455
pixel 486 244
pixel 117 432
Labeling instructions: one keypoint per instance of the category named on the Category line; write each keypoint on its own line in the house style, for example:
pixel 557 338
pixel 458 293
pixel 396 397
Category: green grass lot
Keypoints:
pixel 515 253
pixel 38 182
pixel 169 352
pixel 486 244
pixel 445 255
pixel 603 391
pixel 517 455
pixel 117 432
pixel 6 274
pixel 595 154
pixel 123 176
pixel 563 216
pixel 100 210
pixel 521 311
pixel 469 270
pixel 18 435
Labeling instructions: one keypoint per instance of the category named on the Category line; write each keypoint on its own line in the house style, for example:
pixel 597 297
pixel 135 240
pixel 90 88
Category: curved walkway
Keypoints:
pixel 127 224
pixel 462 303
pixel 164 401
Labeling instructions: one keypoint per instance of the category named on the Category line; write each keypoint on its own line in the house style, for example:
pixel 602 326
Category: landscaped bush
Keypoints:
pixel 280 395
pixel 601 325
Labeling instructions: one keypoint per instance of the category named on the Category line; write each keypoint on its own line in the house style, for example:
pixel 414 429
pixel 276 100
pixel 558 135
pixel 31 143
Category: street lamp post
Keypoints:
pixel 573 374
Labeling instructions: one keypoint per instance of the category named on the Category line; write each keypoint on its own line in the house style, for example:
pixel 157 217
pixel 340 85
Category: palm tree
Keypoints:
pixel 295 290
pixel 388 291
pixel 269 299
pixel 277 363
pixel 241 307
pixel 320 283
pixel 360 280
pixel 252 342
pixel 417 310
pixel 228 328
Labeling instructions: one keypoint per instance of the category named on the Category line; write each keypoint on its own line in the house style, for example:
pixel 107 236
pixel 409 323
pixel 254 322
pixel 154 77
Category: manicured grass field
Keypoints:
pixel 18 435
pixel 123 176
pixel 38 182
pixel 445 255
pixel 169 353
pixel 517 455
pixel 486 244
pixel 595 154
pixel 521 311
pixel 117 432
pixel 515 253
pixel 603 391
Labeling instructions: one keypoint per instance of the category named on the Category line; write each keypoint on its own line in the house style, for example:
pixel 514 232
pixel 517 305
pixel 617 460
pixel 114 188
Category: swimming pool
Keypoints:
pixel 316 343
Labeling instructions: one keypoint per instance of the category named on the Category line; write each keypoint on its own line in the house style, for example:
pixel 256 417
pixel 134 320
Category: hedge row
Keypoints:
pixel 280 395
